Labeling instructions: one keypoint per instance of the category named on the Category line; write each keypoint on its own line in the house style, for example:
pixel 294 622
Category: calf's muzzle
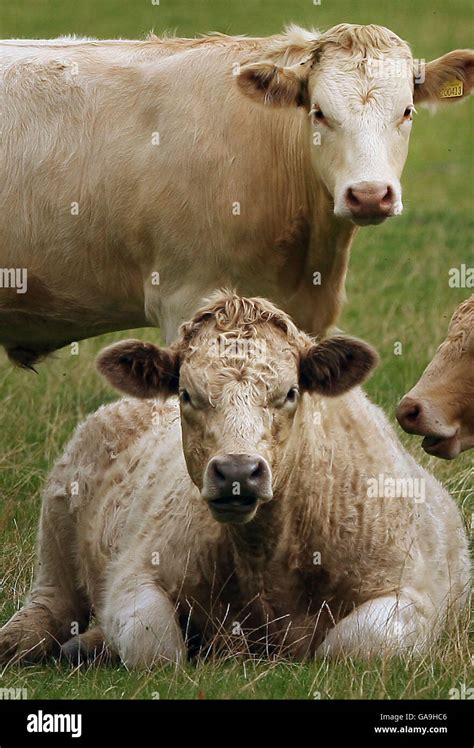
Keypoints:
pixel 234 484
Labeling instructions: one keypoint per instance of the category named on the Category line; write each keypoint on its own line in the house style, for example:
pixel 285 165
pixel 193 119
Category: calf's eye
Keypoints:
pixel 408 113
pixel 292 395
pixel 185 397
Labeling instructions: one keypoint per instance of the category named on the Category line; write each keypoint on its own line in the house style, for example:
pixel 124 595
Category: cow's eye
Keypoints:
pixel 185 397
pixel 318 114
pixel 292 395
pixel 408 113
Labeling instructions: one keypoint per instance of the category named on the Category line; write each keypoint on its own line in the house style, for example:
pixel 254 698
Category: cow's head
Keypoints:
pixel 240 369
pixel 440 406
pixel 359 85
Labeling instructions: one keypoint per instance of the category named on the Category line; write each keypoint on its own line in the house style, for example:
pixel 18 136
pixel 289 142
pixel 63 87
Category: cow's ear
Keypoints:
pixel 335 365
pixel 140 369
pixel 272 84
pixel 448 79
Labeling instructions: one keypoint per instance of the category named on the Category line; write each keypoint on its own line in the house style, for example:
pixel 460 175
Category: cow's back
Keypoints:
pixel 148 163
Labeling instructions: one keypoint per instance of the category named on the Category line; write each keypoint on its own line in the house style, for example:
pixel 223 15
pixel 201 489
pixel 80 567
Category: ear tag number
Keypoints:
pixel 452 89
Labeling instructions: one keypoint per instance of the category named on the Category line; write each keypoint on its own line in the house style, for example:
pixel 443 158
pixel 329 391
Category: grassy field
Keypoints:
pixel 397 291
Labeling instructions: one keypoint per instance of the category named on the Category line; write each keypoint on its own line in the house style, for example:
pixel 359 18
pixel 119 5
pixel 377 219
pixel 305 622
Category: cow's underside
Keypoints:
pixel 28 336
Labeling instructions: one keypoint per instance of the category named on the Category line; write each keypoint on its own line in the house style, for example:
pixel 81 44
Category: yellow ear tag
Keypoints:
pixel 451 90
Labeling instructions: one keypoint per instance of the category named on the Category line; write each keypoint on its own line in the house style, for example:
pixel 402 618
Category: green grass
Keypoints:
pixel 240 678
pixel 397 291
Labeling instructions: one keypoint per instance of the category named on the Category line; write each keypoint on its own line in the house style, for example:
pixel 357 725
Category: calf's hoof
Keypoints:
pixel 78 650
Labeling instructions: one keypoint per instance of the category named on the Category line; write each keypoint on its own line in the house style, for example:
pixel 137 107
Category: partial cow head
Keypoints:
pixel 359 85
pixel 440 406
pixel 240 369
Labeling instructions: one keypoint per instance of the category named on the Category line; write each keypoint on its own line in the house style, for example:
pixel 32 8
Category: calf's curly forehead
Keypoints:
pixel 229 318
pixel 463 317
pixel 227 312
pixel 461 326
pixel 238 349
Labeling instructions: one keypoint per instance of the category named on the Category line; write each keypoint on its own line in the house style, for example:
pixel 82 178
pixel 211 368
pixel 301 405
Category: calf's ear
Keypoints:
pixel 272 84
pixel 335 365
pixel 448 79
pixel 140 369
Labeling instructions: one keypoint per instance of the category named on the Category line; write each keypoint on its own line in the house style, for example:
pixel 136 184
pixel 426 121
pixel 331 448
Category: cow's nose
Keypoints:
pixel 409 413
pixel 370 200
pixel 237 479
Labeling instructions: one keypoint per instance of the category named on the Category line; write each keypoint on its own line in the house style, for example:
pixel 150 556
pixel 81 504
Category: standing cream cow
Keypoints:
pixel 440 406
pixel 268 508
pixel 137 177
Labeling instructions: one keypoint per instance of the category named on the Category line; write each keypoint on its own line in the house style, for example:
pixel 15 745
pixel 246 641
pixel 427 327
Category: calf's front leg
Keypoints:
pixel 140 624
pixel 387 625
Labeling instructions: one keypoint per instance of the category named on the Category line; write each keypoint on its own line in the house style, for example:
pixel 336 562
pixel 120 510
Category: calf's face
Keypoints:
pixel 359 86
pixel 440 406
pixel 239 397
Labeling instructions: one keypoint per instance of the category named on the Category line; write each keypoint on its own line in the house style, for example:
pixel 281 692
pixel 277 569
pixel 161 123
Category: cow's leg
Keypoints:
pixel 385 625
pixel 140 623
pixel 55 608
pixel 38 629
pixel 86 647
pixel 168 311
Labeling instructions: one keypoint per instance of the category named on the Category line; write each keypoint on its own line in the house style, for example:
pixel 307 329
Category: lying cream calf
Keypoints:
pixel 269 510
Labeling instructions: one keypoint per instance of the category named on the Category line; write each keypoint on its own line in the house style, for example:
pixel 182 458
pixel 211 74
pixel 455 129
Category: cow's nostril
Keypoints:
pixel 412 413
pixel 352 200
pixel 218 473
pixel 387 199
pixel 257 471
